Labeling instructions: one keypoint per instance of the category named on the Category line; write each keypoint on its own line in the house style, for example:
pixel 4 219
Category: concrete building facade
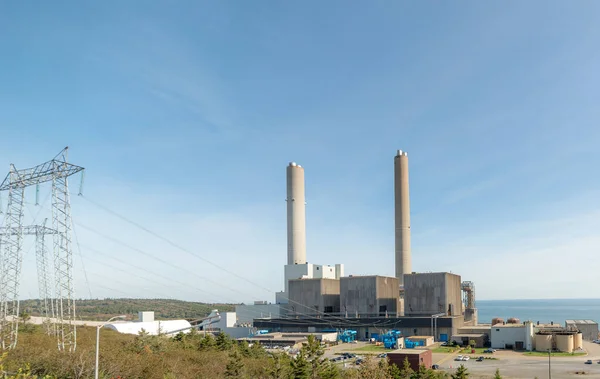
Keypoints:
pixel 426 294
pixel 369 296
pixel 588 328
pixel 247 313
pixel 314 297
pixel 509 336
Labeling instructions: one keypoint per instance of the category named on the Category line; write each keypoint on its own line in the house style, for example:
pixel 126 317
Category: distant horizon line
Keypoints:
pixel 548 298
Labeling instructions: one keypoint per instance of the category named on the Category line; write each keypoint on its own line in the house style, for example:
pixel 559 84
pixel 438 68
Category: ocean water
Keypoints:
pixel 544 311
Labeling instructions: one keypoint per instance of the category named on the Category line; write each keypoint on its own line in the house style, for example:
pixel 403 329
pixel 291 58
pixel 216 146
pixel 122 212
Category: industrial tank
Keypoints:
pixel 543 342
pixel 578 341
pixel 497 320
pixel 513 320
pixel 564 342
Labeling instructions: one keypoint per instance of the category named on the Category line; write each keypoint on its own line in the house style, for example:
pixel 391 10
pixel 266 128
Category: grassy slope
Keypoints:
pixel 106 308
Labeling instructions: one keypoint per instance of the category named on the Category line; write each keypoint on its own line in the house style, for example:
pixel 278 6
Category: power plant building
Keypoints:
pixel 369 296
pixel 297 266
pixel 427 294
pixel 314 297
pixel 319 298
pixel 588 328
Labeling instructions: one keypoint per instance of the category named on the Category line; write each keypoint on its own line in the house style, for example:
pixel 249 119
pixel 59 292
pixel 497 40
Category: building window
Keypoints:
pixel 497 330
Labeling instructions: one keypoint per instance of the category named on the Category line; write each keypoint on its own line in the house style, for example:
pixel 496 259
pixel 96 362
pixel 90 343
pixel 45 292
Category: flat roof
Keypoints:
pixel 478 327
pixel 407 351
pixel 590 322
pixel 468 335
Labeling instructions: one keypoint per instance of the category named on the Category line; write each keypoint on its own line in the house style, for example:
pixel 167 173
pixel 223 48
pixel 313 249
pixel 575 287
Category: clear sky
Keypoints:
pixel 185 115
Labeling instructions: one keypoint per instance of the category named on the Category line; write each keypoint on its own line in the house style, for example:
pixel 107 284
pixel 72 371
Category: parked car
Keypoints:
pixel 588 362
pixel 465 358
pixel 358 362
pixel 382 355
pixel 490 351
pixel 459 358
pixel 480 359
pixel 435 367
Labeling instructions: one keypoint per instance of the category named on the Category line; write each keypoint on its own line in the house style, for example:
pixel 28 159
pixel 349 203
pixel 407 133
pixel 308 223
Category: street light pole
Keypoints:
pixel 98 341
pixel 549 371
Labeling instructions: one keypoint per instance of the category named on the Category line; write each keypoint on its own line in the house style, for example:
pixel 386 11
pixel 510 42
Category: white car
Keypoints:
pixel 465 358
pixel 459 358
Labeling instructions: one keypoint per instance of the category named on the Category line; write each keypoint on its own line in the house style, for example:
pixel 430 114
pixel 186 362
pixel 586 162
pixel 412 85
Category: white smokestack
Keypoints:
pixel 402 216
pixel 296 214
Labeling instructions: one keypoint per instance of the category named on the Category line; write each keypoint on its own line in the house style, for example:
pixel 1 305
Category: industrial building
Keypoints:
pixel 369 296
pixel 563 341
pixel 147 324
pixel 260 309
pixel 588 328
pixel 297 266
pixel 432 293
pixel 530 336
pixel 319 298
pixel 314 297
pixel 416 358
pixel 270 340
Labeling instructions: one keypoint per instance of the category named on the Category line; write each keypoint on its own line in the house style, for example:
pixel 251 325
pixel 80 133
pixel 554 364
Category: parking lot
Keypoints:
pixel 511 364
pixel 516 365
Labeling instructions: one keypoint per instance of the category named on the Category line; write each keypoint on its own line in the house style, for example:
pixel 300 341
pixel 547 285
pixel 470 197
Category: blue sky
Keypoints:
pixel 185 115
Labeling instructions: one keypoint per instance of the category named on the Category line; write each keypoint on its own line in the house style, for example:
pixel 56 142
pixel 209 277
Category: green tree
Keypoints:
pixel 300 366
pixel 472 343
pixel 425 373
pixel 244 348
pixel 394 371
pixel 207 343
pixel 223 342
pixel 257 351
pixel 461 373
pixel 313 353
pixel 406 371
pixel 235 366
pixel 279 366
pixel 497 374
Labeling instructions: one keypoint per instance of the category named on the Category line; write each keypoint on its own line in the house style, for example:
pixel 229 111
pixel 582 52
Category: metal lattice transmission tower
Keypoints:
pixel 56 171
pixel 11 264
pixel 44 279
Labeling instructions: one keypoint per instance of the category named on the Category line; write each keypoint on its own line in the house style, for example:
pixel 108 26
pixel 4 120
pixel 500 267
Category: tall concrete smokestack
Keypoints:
pixel 296 214
pixel 402 216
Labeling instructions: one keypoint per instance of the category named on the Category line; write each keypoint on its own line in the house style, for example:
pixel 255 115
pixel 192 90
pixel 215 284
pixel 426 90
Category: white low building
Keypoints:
pixel 153 328
pixel 147 324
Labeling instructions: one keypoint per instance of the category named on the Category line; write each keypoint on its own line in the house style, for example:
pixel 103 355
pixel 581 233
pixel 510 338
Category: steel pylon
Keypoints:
pixel 44 280
pixel 63 261
pixel 57 171
pixel 11 265
pixel 44 277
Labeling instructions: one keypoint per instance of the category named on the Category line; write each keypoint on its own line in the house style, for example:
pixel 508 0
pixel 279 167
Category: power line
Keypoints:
pixel 177 246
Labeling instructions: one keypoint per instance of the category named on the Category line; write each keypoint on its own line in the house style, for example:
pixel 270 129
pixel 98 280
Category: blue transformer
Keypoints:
pixel 347 336
pixel 390 339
